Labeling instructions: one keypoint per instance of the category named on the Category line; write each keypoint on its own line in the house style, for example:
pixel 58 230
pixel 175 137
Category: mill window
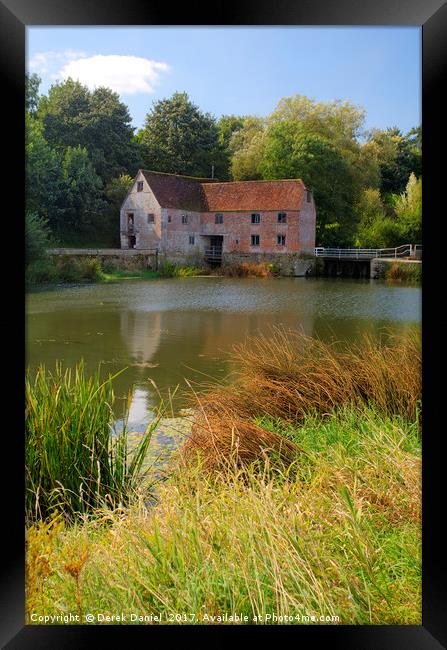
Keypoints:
pixel 282 217
pixel 191 240
pixel 139 186
pixel 184 218
pixel 151 218
pixel 255 240
pixel 255 217
pixel 281 240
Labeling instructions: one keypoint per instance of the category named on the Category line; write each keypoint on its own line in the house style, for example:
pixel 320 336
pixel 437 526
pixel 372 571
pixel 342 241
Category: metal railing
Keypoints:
pixel 406 250
pixel 215 253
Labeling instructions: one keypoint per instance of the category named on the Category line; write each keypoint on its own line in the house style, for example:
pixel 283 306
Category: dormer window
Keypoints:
pixel 139 186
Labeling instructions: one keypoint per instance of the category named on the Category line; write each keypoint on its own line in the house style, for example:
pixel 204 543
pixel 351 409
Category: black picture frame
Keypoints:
pixel 15 16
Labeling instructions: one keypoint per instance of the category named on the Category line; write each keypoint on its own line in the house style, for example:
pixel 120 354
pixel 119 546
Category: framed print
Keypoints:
pixel 225 364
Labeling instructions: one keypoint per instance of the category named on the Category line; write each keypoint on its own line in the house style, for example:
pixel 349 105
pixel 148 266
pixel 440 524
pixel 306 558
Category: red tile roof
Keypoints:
pixel 206 195
pixel 254 195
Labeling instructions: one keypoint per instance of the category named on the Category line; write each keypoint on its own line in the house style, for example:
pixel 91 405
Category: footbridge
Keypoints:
pixel 362 262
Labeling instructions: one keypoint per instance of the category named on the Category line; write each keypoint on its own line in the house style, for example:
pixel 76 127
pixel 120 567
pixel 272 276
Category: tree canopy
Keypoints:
pixel 82 154
pixel 178 138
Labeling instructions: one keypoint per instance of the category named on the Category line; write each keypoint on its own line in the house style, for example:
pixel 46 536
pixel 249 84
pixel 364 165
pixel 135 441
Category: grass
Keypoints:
pixel 298 494
pixel 248 270
pixel 61 269
pixel 286 375
pixel 403 272
pixel 338 538
pixel 73 464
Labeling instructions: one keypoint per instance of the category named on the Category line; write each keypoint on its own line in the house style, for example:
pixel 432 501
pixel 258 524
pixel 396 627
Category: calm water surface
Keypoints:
pixel 166 331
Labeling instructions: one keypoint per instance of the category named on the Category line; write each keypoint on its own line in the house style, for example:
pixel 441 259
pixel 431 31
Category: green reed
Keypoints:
pixel 73 462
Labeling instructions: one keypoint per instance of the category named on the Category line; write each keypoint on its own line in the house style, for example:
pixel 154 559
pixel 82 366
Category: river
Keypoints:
pixel 168 331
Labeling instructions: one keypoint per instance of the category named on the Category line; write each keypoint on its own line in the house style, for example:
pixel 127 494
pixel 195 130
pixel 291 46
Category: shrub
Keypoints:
pixel 37 237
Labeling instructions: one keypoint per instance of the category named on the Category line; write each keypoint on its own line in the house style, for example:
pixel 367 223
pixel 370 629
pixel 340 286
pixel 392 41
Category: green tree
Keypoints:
pixel 115 193
pixel 290 151
pixel 37 237
pixel 73 116
pixel 32 83
pixel 397 157
pixel 83 202
pixel 408 209
pixel 247 148
pixel 178 138
pixel 43 174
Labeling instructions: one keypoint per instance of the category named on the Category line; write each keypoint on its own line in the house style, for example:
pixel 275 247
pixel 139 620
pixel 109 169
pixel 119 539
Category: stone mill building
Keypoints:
pixel 197 221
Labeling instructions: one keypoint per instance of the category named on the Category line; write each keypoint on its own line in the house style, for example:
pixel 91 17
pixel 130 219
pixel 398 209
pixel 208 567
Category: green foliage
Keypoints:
pixel 32 83
pixel 408 272
pixel 115 193
pixel 73 464
pixel 169 270
pixel 73 116
pixel 397 155
pixel 247 147
pixel 64 269
pixel 83 200
pixel 338 537
pixel 408 208
pixel 290 151
pixel 43 174
pixel 37 237
pixel 178 138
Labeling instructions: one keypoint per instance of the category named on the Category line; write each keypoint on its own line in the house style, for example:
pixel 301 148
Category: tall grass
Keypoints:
pixel 248 270
pixel 338 538
pixel 73 463
pixel 287 375
pixel 403 272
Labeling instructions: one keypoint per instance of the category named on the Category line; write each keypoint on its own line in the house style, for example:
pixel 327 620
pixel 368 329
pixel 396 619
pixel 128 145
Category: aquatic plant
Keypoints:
pixel 287 375
pixel 73 461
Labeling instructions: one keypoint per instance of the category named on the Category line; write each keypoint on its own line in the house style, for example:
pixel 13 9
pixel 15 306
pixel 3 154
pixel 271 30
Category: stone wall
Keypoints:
pixel 289 264
pixel 121 258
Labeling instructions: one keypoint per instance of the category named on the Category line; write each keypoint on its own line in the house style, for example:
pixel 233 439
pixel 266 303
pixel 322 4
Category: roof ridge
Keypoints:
pixel 263 180
pixel 194 178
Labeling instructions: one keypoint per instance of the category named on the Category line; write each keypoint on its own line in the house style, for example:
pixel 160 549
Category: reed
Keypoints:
pixel 287 375
pixel 247 270
pixel 338 539
pixel 74 463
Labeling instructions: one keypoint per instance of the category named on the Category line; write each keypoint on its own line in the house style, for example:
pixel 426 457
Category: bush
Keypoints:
pixel 37 237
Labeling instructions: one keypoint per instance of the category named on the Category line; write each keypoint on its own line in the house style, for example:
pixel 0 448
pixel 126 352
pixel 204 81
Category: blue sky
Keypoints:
pixel 240 70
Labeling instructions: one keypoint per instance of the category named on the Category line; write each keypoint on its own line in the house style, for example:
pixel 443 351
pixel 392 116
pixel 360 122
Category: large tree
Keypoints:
pixel 43 175
pixel 83 205
pixel 247 148
pixel 73 116
pixel 290 151
pixel 397 156
pixel 178 138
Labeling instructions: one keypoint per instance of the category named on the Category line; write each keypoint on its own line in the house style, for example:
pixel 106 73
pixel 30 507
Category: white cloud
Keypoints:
pixel 123 74
pixel 43 62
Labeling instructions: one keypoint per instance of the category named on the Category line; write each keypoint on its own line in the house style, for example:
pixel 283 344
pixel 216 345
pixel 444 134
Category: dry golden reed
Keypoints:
pixel 287 375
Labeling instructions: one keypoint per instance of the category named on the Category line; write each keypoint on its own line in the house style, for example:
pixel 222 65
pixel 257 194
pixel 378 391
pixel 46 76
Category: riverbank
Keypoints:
pixel 302 501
